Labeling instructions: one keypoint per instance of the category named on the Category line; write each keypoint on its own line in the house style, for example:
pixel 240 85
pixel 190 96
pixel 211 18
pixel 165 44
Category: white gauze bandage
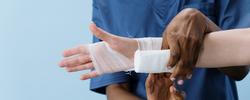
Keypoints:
pixel 150 43
pixel 151 61
pixel 107 60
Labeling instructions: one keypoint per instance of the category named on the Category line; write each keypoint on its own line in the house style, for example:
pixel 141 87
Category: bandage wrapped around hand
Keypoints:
pixel 107 60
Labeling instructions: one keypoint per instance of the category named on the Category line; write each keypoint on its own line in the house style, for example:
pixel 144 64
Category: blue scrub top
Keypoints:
pixel 148 18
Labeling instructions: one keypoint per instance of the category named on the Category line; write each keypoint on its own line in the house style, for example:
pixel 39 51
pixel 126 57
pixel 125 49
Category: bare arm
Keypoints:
pixel 120 92
pixel 226 48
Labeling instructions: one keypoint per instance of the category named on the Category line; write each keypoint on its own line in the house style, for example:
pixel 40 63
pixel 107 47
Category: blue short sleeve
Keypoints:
pixel 100 83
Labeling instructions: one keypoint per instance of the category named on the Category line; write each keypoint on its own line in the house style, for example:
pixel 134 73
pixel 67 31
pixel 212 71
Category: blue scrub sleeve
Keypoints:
pixel 100 83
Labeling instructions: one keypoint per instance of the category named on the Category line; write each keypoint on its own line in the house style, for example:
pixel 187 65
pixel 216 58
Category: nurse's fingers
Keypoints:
pixel 172 89
pixel 174 51
pixel 165 44
pixel 101 34
pixel 80 67
pixel 77 50
pixel 89 75
pixel 74 61
pixel 176 71
pixel 150 82
pixel 181 73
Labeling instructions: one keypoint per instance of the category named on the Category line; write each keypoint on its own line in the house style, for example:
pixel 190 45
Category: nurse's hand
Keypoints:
pixel 78 58
pixel 184 36
pixel 160 87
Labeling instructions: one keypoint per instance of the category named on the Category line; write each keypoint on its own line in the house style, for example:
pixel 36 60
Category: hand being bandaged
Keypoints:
pixel 114 54
pixel 107 60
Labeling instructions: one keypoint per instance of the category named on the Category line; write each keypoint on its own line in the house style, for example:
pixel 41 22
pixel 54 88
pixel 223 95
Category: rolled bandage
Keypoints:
pixel 107 60
pixel 149 43
pixel 151 61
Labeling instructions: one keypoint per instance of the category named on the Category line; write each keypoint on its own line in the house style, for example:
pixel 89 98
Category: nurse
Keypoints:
pixel 140 18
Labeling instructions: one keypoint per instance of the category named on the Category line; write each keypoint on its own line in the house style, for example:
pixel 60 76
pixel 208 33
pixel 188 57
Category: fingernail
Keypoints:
pixel 189 76
pixel 69 70
pixel 180 82
pixel 172 79
pixel 61 64
pixel 83 78
pixel 174 89
pixel 169 67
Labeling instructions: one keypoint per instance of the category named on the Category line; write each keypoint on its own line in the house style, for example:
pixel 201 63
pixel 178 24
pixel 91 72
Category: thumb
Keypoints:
pixel 99 33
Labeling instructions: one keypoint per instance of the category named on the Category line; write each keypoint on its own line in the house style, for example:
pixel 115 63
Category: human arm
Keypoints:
pixel 225 48
pixel 222 49
pixel 82 50
pixel 185 36
pixel 232 49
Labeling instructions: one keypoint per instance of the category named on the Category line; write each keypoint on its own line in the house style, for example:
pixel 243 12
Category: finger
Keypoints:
pixel 89 75
pixel 172 89
pixel 165 44
pixel 176 70
pixel 180 82
pixel 174 51
pixel 148 80
pixel 150 83
pixel 186 72
pixel 74 61
pixel 80 67
pixel 180 76
pixel 77 50
pixel 99 33
pixel 189 76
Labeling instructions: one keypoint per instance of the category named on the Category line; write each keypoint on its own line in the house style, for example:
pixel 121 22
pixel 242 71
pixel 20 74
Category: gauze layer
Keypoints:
pixel 107 60
pixel 150 43
pixel 151 61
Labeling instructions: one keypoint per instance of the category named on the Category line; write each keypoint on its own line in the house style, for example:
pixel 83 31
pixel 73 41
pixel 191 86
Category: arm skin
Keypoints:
pixel 223 48
pixel 229 47
pixel 120 92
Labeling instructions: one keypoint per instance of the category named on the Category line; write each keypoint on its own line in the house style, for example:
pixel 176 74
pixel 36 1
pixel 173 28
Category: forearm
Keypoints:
pixel 120 92
pixel 226 48
pixel 221 49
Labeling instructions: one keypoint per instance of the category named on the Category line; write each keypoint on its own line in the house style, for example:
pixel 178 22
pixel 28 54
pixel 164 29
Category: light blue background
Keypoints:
pixel 33 33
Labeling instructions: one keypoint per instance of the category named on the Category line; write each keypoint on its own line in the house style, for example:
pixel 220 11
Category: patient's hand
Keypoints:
pixel 184 36
pixel 78 58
